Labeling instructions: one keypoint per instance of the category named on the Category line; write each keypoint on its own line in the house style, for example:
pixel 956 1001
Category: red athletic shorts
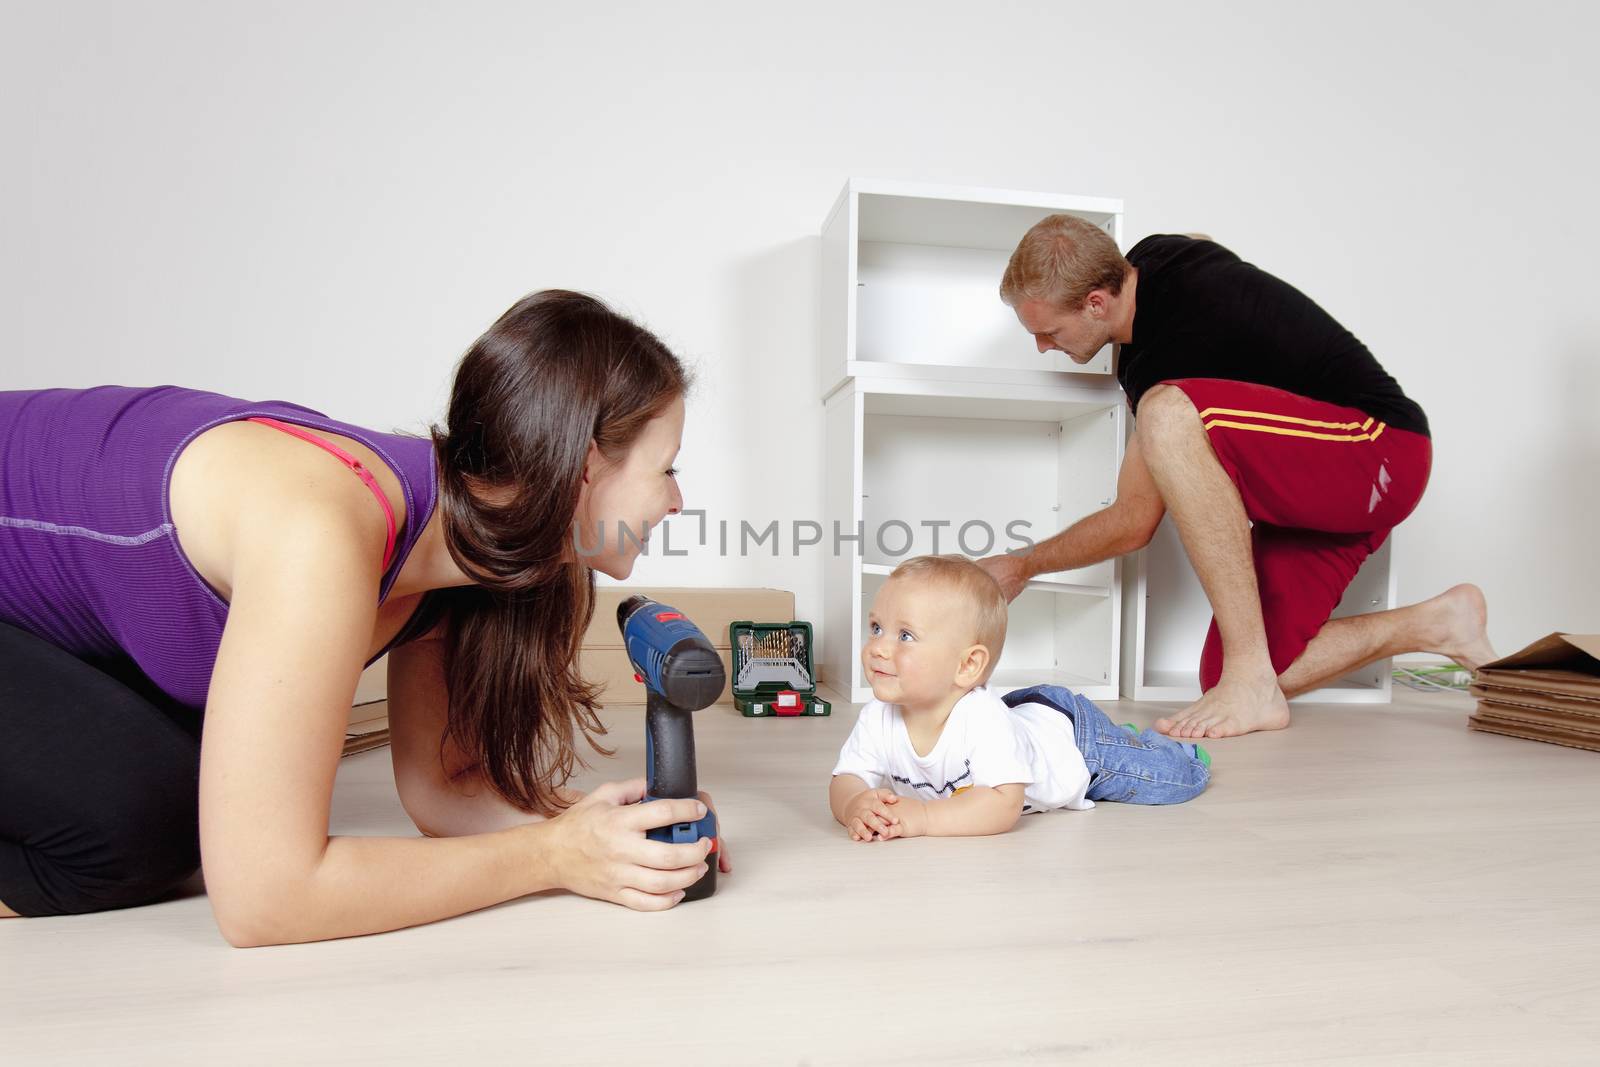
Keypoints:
pixel 1322 484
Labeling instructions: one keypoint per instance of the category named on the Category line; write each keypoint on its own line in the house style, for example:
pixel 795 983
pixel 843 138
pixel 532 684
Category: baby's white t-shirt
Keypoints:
pixel 983 743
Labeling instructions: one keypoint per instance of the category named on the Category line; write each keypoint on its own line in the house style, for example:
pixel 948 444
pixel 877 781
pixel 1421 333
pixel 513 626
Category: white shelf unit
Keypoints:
pixel 940 412
pixel 1168 616
pixel 911 278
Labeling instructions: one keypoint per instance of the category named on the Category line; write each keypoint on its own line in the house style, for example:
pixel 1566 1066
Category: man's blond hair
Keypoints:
pixel 1060 261
pixel 977 589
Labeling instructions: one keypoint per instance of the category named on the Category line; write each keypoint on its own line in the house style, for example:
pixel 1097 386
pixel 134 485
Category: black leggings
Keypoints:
pixel 99 783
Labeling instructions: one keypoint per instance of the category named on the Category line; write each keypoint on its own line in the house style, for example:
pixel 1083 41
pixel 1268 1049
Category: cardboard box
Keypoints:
pixel 1549 691
pixel 603 659
pixel 713 610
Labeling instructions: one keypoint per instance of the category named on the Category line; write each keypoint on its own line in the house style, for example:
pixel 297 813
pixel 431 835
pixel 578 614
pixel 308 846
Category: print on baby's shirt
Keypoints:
pixel 952 787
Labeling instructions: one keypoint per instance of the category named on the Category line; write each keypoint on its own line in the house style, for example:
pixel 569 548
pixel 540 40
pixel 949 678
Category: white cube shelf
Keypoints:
pixel 911 278
pixel 942 414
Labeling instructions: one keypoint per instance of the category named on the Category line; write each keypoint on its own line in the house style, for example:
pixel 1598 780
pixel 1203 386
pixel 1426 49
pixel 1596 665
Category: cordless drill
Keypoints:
pixel 682 673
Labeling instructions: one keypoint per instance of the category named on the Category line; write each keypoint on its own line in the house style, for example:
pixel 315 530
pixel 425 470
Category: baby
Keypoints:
pixel 938 753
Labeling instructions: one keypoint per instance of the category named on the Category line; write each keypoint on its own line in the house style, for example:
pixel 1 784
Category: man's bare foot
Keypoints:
pixel 1235 706
pixel 1458 626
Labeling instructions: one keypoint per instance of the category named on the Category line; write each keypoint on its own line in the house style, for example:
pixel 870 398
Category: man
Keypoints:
pixel 1282 450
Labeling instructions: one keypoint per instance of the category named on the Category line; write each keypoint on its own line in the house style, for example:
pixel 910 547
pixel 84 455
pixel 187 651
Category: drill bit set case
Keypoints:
pixel 604 661
pixel 773 674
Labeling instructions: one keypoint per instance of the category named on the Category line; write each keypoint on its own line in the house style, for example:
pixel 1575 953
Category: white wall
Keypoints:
pixel 327 202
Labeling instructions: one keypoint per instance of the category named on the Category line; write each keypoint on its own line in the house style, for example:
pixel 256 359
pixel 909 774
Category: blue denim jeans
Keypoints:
pixel 1150 768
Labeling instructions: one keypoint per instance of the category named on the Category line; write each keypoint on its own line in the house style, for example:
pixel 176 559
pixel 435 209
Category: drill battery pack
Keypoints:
pixel 772 670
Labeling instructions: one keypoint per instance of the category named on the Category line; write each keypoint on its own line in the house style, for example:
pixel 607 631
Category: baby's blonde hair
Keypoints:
pixel 977 589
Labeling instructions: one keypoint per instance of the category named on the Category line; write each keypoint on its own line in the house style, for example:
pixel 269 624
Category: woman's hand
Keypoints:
pixel 722 839
pixel 601 851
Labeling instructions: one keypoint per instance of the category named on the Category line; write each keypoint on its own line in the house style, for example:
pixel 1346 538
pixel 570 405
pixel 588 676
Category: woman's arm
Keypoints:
pixel 439 787
pixel 304 586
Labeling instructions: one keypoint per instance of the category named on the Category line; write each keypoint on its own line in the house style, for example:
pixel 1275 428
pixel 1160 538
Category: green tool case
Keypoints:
pixel 772 670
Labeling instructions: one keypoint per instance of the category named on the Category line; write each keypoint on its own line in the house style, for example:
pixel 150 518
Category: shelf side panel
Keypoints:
pixel 836 296
pixel 842 506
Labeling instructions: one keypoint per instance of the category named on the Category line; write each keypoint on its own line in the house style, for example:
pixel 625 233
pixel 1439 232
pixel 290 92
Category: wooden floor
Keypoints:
pixel 1374 884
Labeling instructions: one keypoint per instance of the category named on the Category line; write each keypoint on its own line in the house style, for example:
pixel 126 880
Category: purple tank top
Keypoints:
pixel 89 557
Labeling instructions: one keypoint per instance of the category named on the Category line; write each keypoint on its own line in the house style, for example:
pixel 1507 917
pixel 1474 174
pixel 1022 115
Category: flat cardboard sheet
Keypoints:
pixel 1532 713
pixel 368 727
pixel 1530 732
pixel 1577 652
pixel 1539 683
pixel 1519 698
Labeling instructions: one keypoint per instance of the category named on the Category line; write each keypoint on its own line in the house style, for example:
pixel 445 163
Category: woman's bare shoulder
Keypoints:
pixel 242 480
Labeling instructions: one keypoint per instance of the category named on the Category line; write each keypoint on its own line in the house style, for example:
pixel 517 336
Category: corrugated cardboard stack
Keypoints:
pixel 1550 691
pixel 368 727
pixel 604 660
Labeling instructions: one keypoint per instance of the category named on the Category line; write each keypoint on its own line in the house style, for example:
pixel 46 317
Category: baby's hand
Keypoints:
pixel 870 815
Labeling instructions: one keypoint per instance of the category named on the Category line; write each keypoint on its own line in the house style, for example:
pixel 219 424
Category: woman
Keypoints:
pixel 164 551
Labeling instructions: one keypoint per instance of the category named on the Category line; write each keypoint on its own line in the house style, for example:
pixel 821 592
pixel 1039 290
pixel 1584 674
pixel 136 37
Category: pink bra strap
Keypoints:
pixel 349 461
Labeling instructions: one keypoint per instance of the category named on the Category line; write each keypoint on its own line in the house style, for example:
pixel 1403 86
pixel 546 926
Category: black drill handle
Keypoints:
pixel 669 733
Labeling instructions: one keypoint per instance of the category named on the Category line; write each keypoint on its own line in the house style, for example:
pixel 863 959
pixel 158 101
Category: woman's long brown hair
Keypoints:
pixel 557 371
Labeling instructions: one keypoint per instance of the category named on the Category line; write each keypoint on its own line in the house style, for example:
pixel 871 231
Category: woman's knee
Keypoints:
pixel 108 873
pixel 99 786
pixel 102 856
pixel 147 848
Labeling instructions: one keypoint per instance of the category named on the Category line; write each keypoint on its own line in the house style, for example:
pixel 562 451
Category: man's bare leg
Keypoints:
pixel 5 912
pixel 1211 521
pixel 1452 625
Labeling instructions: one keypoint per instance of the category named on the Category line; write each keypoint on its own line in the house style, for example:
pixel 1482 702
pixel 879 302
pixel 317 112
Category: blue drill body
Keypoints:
pixel 682 673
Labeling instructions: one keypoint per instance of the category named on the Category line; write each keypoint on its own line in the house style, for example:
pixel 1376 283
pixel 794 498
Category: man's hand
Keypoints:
pixel 1010 571
pixel 870 815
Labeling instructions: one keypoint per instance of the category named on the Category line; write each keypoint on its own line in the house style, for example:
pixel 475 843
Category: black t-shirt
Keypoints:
pixel 1202 312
